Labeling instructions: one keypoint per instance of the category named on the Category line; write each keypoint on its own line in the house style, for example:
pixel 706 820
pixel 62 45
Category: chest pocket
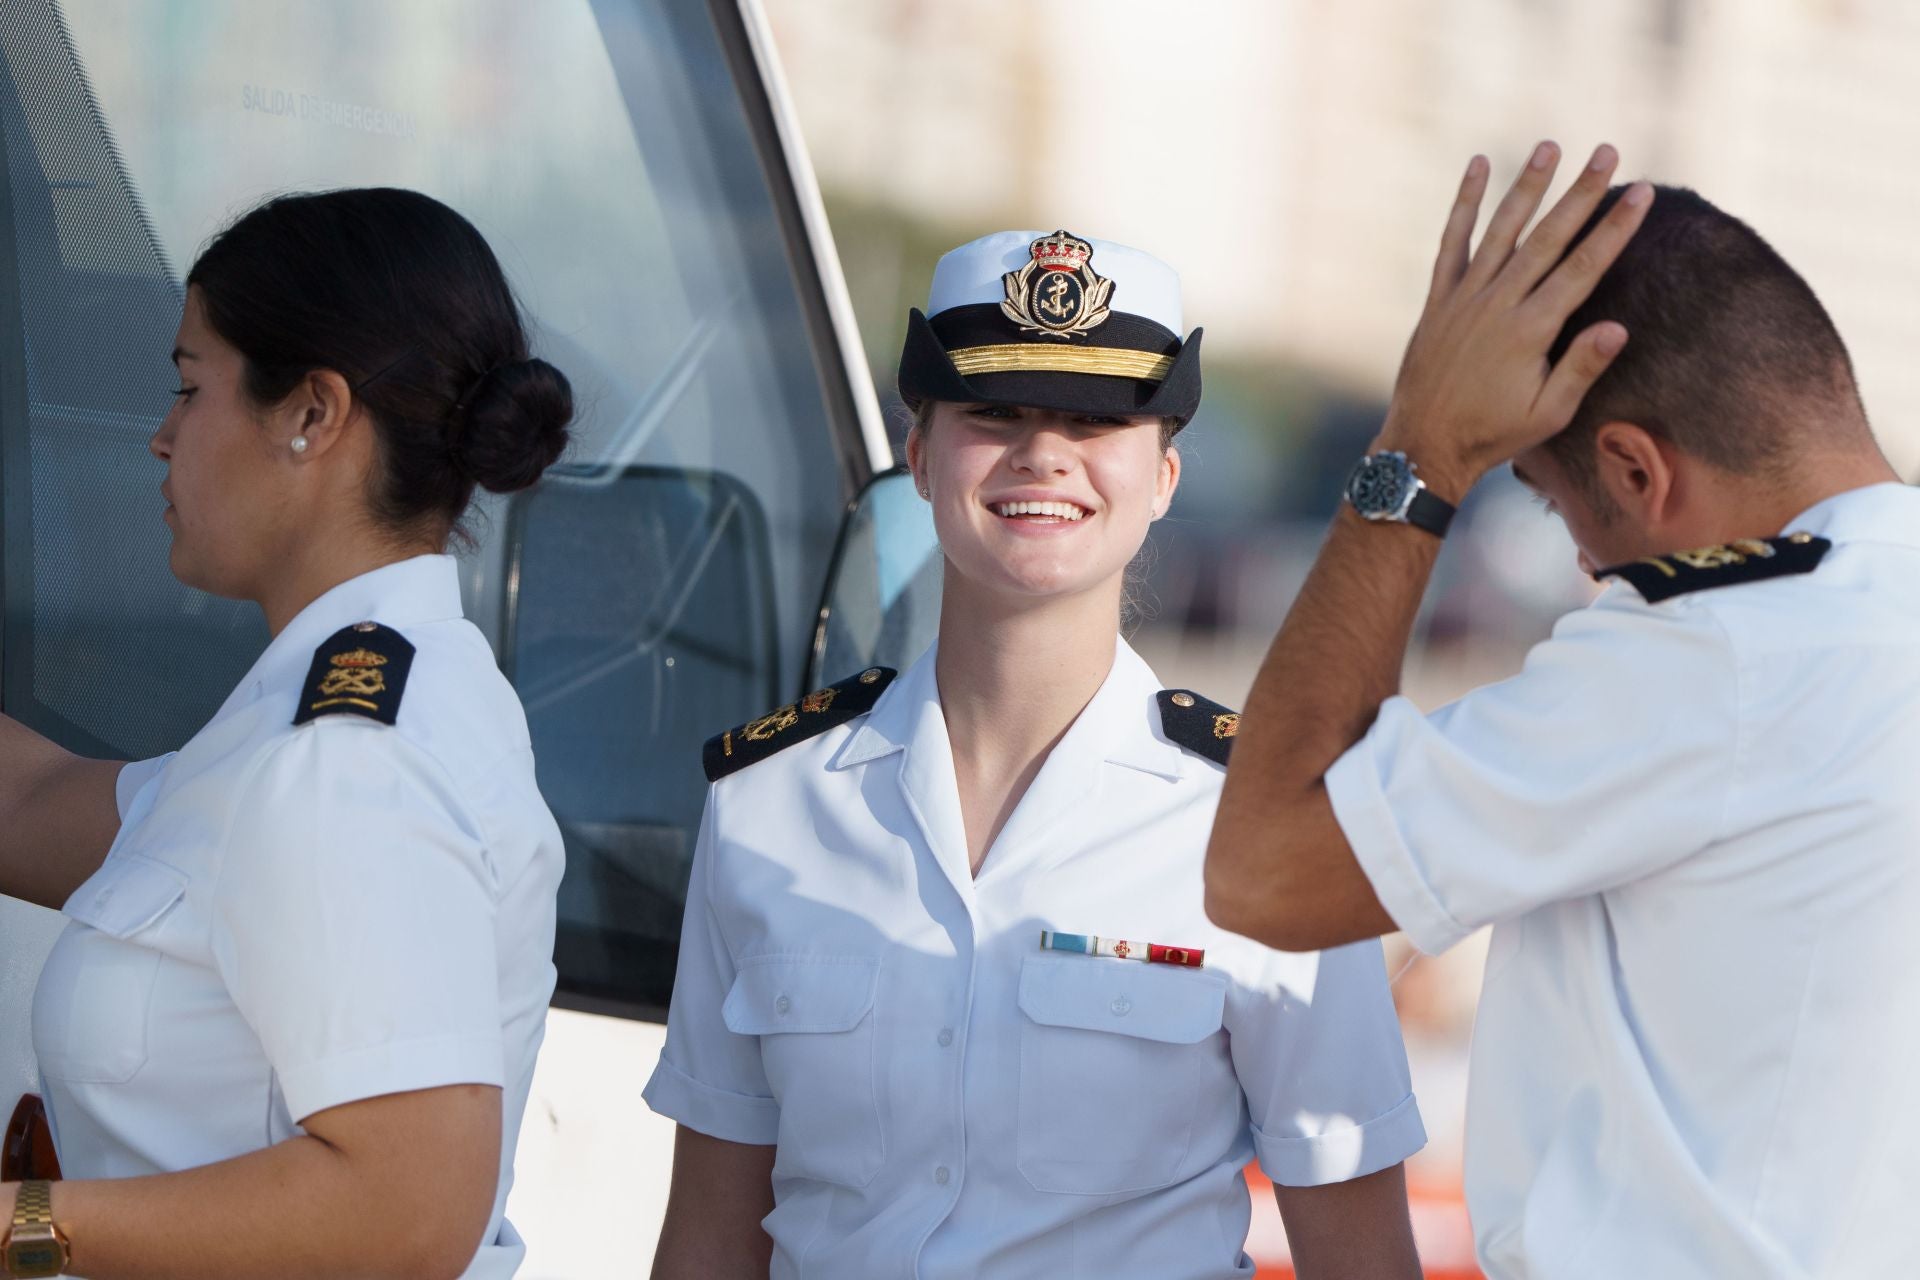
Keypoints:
pixel 814 1016
pixel 92 1011
pixel 1116 1059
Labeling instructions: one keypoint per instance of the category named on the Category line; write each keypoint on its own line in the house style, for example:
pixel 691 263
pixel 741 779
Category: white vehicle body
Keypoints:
pixel 710 548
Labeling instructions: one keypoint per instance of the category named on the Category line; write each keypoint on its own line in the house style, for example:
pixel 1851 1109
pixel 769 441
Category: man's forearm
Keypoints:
pixel 1340 654
pixel 1335 660
pixel 1476 387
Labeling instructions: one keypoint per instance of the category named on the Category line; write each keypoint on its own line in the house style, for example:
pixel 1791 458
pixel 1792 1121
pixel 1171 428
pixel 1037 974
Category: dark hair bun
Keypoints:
pixel 512 425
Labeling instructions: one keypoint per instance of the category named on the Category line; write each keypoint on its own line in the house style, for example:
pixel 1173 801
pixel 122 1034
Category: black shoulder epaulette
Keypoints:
pixel 818 712
pixel 361 671
pixel 1747 560
pixel 1202 726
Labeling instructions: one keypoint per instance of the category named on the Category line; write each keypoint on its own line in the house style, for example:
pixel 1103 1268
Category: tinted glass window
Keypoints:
pixel 665 586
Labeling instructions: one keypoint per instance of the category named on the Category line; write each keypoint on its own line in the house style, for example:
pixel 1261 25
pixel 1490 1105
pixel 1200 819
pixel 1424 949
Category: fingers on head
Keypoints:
pixel 1589 356
pixel 1563 222
pixel 1457 236
pixel 1524 196
pixel 1576 275
pixel 1512 213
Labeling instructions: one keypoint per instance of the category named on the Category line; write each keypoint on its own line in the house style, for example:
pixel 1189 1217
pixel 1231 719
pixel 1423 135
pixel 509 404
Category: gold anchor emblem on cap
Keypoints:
pixel 1057 293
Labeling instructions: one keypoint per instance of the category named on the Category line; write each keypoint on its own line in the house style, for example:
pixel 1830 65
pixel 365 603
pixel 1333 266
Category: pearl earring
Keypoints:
pixel 299 444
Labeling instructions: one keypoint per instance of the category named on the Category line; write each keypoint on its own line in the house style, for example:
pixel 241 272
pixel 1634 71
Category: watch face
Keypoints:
pixel 43 1257
pixel 1380 485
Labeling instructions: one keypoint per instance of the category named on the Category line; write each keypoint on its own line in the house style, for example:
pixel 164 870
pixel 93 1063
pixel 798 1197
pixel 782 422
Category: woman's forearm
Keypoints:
pixel 58 816
pixel 1355 1230
pixel 407 1198
pixel 720 1193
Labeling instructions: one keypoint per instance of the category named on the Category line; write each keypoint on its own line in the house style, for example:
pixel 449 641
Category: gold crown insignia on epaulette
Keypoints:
pixel 361 670
pixel 1658 578
pixel 782 727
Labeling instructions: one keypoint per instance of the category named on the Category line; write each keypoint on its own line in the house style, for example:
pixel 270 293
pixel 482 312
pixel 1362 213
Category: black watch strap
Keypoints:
pixel 1430 512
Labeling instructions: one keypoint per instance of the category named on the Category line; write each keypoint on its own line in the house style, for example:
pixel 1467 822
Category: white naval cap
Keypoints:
pixel 1053 320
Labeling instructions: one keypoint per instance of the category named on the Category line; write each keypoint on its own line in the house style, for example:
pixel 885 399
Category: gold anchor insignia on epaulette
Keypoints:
pixel 1729 553
pixel 783 719
pixel 771 723
pixel 1226 726
pixel 356 677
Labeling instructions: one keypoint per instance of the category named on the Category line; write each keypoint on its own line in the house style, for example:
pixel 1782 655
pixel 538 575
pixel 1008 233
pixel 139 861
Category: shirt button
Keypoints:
pixel 782 1005
pixel 942 1176
pixel 946 1036
pixel 1122 1006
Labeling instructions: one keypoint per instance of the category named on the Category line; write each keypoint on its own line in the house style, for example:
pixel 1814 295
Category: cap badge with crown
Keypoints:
pixel 1057 293
pixel 1025 318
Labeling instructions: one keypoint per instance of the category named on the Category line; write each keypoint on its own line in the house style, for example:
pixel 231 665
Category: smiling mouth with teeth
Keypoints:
pixel 1067 511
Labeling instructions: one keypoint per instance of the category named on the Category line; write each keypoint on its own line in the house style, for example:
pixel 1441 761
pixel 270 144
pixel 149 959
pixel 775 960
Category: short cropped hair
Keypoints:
pixel 1729 354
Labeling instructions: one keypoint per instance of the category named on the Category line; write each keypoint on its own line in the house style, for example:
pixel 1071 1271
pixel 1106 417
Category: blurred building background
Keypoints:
pixel 1294 160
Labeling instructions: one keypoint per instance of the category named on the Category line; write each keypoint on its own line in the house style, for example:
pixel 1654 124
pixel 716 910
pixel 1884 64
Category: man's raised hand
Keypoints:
pixel 1475 387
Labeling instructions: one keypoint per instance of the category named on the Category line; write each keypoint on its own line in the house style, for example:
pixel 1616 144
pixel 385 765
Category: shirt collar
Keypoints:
pixel 1886 512
pixel 1121 722
pixel 406 593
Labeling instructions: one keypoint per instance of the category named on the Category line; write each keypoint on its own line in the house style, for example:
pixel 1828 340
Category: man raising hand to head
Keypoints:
pixel 1690 817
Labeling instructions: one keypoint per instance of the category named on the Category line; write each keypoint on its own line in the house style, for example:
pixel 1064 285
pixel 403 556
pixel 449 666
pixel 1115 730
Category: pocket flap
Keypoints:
pixel 1152 1002
pixel 776 994
pixel 125 895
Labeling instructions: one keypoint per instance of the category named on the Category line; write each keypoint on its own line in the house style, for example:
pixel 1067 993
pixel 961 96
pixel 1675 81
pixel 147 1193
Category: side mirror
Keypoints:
pixel 881 606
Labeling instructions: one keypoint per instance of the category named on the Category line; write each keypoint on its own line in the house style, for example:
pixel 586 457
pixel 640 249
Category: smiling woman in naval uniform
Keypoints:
pixel 291 1025
pixel 948 1002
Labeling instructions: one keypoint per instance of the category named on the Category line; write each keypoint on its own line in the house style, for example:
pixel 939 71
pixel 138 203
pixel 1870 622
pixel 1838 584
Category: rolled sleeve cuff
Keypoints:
pixel 399 1067
pixel 733 1117
pixel 1343 1154
pixel 1360 807
pixel 128 783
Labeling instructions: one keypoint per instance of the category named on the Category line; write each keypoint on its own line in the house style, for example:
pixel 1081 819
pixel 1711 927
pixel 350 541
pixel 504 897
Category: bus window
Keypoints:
pixel 666 583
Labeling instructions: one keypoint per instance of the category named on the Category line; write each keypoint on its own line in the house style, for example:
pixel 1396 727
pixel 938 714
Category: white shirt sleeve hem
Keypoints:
pixel 732 1117
pixel 397 1067
pixel 1344 1154
pixel 1360 807
pixel 132 777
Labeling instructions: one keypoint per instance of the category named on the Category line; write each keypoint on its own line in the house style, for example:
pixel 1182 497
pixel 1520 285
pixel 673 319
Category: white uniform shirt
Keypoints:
pixel 1695 826
pixel 950 1101
pixel 293 918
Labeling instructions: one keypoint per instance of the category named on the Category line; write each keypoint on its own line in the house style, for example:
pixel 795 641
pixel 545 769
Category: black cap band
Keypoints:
pixel 1136 367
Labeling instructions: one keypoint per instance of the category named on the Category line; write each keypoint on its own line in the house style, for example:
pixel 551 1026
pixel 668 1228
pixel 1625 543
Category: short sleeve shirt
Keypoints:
pixel 297 917
pixel 950 1100
pixel 1695 830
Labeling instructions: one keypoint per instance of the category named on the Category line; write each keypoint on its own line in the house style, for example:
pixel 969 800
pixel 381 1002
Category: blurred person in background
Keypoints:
pixel 948 1003
pixel 1691 817
pixel 290 1028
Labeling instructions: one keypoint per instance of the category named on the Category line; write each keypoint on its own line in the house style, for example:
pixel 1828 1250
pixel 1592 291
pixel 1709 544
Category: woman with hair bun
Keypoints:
pixel 291 1026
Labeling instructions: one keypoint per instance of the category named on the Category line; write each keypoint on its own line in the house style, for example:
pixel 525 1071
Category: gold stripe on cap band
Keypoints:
pixel 1031 357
